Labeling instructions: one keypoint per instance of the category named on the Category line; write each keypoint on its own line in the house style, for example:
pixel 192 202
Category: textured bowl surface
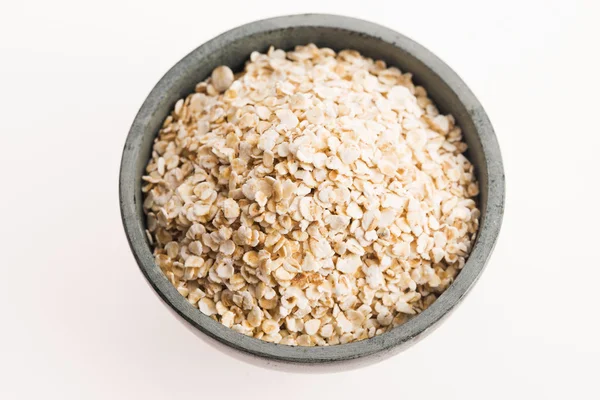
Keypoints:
pixel 233 48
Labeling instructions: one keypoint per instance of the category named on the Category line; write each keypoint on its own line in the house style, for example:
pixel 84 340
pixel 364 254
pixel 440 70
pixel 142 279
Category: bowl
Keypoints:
pixel 233 48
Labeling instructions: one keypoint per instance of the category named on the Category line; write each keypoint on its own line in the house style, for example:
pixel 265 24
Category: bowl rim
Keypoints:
pixel 396 338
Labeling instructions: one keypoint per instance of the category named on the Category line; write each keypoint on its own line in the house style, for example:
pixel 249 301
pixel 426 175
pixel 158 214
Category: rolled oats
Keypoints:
pixel 316 198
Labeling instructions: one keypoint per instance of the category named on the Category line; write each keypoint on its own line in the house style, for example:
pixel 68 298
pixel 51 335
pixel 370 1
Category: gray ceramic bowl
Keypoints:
pixel 233 48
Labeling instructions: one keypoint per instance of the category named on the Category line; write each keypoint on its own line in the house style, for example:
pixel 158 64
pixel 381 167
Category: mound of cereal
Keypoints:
pixel 316 198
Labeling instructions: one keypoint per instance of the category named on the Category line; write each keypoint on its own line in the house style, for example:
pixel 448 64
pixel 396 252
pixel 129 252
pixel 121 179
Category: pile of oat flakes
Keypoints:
pixel 316 198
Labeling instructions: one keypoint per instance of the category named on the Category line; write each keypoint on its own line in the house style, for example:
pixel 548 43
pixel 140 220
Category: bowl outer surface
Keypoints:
pixel 233 48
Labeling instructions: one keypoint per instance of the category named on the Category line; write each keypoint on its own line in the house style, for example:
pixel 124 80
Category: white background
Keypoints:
pixel 77 319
